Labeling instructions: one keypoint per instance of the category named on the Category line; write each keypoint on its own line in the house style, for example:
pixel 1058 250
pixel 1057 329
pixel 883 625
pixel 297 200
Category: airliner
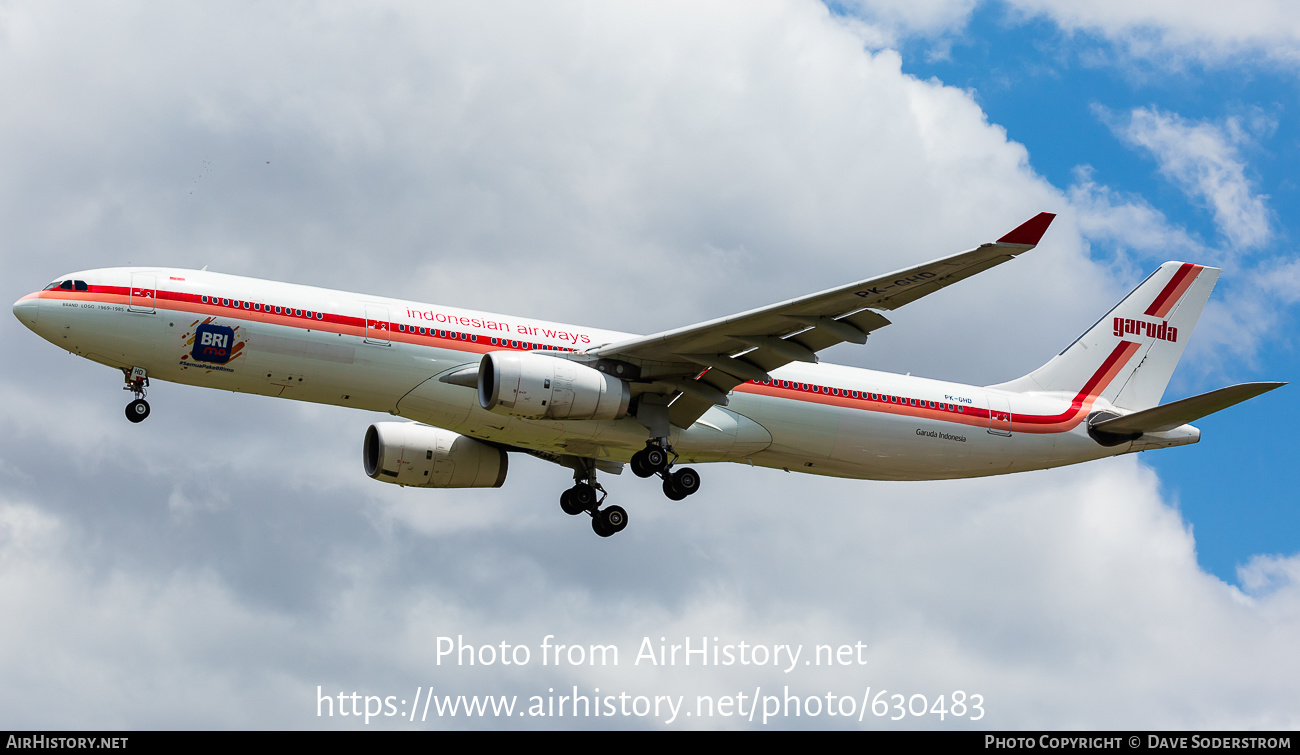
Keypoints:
pixel 474 387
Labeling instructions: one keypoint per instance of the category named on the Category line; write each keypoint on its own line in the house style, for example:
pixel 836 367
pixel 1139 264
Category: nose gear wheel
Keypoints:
pixel 137 410
pixel 137 382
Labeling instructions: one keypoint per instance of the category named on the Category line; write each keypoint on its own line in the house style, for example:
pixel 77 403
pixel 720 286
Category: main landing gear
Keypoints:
pixel 137 382
pixel 586 495
pixel 654 460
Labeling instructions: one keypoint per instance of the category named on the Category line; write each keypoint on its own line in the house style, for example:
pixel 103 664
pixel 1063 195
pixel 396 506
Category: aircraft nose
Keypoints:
pixel 28 310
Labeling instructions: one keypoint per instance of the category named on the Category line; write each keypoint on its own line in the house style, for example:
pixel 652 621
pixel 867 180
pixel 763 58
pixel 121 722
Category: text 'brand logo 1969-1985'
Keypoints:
pixel 1160 330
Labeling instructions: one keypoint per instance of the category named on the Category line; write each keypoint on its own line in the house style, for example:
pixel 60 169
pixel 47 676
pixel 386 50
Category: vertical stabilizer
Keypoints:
pixel 1128 357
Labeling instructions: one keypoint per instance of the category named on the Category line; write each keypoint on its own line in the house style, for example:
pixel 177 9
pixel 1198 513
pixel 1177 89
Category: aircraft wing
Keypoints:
pixel 703 362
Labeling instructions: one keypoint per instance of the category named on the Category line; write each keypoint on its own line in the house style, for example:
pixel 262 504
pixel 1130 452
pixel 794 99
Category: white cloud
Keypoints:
pixel 1250 302
pixel 1203 160
pixel 1269 575
pixel 1166 33
pixel 890 21
pixel 1129 220
pixel 616 164
pixel 1134 234
pixel 1035 592
pixel 1169 32
pixel 1246 319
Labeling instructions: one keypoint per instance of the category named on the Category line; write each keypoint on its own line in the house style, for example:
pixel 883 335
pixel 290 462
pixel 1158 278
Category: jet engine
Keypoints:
pixel 536 386
pixel 407 453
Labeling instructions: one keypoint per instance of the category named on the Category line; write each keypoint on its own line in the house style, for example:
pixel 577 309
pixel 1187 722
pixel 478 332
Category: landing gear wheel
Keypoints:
pixel 615 517
pixel 641 467
pixel 569 505
pixel 686 480
pixel 609 521
pixel 582 497
pixel 654 458
pixel 137 410
pixel 671 490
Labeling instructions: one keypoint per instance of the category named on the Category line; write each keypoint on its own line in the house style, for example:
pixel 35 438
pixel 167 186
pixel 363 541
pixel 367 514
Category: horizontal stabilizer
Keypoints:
pixel 1167 417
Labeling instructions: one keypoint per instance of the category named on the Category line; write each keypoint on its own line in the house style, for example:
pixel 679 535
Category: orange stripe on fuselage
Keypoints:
pixel 1084 400
pixel 354 326
pixel 968 415
pixel 331 323
pixel 1174 290
pixel 965 415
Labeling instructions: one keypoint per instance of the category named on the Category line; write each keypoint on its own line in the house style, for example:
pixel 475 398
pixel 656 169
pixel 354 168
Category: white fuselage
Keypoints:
pixel 382 354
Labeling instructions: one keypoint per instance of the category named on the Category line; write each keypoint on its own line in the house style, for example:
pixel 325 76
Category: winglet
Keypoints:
pixel 1029 232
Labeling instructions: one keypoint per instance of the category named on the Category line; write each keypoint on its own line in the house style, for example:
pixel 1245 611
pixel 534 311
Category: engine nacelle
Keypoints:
pixel 536 386
pixel 407 453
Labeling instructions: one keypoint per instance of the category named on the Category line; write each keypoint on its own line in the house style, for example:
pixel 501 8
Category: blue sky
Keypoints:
pixel 1058 93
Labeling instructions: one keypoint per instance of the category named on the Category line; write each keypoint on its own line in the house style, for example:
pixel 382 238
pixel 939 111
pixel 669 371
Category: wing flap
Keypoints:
pixel 686 409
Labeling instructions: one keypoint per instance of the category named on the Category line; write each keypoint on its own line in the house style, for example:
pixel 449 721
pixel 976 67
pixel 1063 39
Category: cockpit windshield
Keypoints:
pixel 68 285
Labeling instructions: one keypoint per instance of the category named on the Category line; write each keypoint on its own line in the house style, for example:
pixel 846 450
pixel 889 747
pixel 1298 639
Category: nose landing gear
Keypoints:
pixel 137 382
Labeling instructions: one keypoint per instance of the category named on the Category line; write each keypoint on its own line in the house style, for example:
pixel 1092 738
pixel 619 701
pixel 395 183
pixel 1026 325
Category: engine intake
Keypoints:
pixel 407 453
pixel 536 386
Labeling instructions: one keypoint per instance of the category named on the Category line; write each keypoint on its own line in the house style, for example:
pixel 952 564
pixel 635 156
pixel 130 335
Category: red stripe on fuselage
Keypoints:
pixel 1173 290
pixel 356 326
pixel 1083 401
pixel 967 415
pixel 330 323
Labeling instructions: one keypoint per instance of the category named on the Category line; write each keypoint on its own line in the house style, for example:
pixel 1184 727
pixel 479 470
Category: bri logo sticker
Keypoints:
pixel 213 343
